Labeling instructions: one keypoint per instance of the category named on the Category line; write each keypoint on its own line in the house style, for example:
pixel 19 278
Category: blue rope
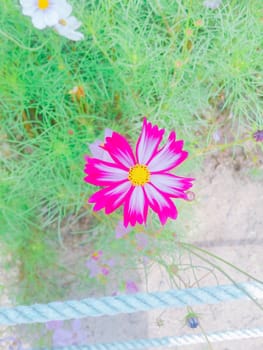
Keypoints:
pixel 169 341
pixel 73 309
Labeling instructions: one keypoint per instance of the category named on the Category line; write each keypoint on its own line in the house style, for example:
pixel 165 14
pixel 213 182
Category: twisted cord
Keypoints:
pixel 92 307
pixel 169 341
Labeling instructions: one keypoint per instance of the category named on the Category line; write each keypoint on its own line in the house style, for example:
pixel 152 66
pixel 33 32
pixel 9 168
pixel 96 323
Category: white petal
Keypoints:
pixel 137 200
pixel 73 23
pixel 63 9
pixel 28 11
pixel 51 17
pixel 38 20
pixel 31 3
pixel 75 36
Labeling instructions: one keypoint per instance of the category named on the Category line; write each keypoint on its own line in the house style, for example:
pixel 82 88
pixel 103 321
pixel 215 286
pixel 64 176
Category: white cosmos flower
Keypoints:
pixel 68 28
pixel 45 13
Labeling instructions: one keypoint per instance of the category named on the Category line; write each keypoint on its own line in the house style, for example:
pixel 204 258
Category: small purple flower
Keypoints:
pixel 212 4
pixel 258 136
pixel 121 230
pixel 93 267
pixel 97 265
pixel 131 287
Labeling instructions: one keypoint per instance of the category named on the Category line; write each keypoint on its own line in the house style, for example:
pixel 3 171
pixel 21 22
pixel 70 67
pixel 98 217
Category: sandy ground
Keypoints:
pixel 228 221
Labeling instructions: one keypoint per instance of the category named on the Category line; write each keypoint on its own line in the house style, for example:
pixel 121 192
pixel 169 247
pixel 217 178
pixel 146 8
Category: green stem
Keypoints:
pixel 222 260
pixel 229 277
pixel 9 37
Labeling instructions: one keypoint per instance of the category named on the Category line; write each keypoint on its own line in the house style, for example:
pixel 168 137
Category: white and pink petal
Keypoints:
pixel 171 185
pixel 135 207
pixel 160 203
pixel 169 156
pixel 148 142
pixel 110 198
pixel 101 173
pixel 120 150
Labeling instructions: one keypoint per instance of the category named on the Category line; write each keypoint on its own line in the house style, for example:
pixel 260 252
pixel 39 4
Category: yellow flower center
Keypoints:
pixel 43 4
pixel 139 175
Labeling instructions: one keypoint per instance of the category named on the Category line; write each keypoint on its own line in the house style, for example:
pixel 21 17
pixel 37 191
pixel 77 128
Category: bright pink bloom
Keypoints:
pixel 139 180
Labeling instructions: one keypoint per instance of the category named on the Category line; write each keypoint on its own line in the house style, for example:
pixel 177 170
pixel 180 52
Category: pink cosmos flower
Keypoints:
pixel 138 180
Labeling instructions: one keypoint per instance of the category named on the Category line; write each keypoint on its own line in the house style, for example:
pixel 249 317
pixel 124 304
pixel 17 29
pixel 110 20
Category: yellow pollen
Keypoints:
pixel 139 175
pixel 62 22
pixel 43 4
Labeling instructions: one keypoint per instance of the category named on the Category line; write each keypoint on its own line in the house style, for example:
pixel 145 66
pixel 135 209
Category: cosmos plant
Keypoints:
pixel 137 180
pixel 53 13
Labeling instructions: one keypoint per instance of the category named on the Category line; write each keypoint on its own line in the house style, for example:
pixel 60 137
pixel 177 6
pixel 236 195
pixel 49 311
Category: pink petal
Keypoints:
pixel 111 197
pixel 169 156
pixel 160 203
pixel 171 184
pixel 120 150
pixel 105 270
pixel 101 173
pixel 97 255
pixel 131 287
pixel 93 267
pixel 99 152
pixel 148 142
pixel 135 207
